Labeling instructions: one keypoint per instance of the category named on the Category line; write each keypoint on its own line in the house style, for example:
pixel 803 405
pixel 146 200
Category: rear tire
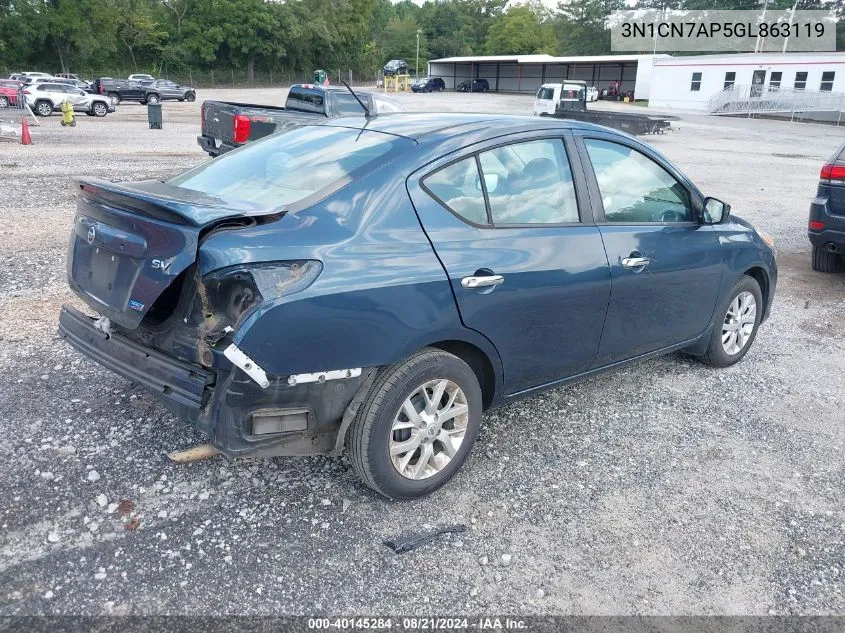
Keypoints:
pixel 43 108
pixel 153 98
pixel 4 101
pixel 383 427
pixel 825 261
pixel 732 337
pixel 115 98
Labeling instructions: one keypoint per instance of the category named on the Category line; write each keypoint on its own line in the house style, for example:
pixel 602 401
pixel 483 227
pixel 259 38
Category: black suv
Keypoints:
pixel 124 90
pixel 476 85
pixel 827 216
pixel 396 67
pixel 429 84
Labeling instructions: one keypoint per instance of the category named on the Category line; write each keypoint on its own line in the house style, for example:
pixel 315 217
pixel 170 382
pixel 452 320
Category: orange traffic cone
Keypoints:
pixel 26 139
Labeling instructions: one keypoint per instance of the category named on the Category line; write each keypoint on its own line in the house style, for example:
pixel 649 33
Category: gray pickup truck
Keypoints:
pixel 227 125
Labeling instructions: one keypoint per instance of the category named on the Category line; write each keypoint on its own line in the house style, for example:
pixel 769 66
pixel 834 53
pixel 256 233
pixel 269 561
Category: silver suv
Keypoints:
pixel 44 98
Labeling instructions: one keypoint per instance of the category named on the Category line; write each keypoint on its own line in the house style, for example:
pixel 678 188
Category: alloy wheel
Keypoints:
pixel 738 325
pixel 429 429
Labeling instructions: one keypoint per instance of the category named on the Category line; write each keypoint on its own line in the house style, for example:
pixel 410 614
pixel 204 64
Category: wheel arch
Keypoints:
pixel 478 361
pixel 759 274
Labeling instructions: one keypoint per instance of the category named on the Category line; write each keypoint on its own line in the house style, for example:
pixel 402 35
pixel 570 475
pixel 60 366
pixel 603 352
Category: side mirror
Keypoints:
pixel 715 211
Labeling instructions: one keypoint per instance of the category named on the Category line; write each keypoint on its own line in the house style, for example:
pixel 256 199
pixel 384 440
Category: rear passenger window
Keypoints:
pixel 634 188
pixel 458 186
pixel 529 183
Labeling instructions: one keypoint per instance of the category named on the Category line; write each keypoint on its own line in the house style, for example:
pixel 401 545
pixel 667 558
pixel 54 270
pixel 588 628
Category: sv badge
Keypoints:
pixel 162 264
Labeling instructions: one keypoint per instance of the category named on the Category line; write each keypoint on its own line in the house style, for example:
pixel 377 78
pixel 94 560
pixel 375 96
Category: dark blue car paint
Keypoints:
pixel 565 311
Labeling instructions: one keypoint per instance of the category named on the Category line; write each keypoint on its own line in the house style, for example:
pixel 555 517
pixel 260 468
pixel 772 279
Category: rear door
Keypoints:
pixel 665 267
pixel 523 255
pixel 131 90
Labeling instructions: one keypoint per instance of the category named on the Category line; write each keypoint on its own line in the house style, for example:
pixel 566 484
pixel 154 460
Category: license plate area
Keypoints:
pixel 105 275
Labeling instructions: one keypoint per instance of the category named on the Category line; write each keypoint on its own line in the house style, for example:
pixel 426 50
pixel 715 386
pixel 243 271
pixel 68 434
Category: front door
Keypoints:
pixel 757 81
pixel 522 253
pixel 665 267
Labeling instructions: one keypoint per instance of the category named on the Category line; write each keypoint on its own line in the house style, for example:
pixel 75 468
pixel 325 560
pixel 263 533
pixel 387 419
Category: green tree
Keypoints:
pixel 522 29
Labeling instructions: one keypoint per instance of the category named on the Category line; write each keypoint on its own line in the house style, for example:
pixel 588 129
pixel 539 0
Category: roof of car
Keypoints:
pixel 417 125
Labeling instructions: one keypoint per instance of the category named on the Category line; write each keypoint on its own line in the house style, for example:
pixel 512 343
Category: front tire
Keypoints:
pixel 191 97
pixel 4 101
pixel 736 329
pixel 99 109
pixel 824 261
pixel 417 425
pixel 115 98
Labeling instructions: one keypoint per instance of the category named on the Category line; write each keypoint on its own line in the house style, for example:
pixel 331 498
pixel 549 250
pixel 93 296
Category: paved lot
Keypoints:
pixel 668 488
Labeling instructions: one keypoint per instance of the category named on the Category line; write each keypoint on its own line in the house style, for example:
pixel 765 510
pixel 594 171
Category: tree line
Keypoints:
pixel 249 36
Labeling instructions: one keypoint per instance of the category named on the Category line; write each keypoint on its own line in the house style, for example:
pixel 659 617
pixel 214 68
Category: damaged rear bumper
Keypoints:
pixel 239 416
pixel 168 379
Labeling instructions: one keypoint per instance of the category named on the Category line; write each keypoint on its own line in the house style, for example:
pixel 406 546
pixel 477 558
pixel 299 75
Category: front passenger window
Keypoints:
pixel 635 189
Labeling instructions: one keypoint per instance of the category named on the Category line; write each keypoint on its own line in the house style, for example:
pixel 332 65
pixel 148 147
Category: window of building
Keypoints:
pixel 730 79
pixel 695 84
pixel 827 81
pixel 634 188
pixel 800 81
pixel 774 81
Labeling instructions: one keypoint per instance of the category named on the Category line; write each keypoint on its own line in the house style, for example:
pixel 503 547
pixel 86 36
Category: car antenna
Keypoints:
pixel 366 109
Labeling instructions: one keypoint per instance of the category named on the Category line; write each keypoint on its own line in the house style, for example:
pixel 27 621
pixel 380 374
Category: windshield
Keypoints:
pixel 546 93
pixel 285 168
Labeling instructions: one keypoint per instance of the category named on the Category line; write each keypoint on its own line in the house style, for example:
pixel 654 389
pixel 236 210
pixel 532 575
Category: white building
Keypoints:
pixel 689 82
pixel 526 73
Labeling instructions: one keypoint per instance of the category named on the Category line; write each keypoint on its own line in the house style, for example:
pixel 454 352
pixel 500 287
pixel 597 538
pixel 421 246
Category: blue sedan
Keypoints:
pixel 375 285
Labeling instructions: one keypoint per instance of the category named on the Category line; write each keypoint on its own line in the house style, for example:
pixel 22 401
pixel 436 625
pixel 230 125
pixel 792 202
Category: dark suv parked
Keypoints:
pixel 169 90
pixel 396 67
pixel 476 85
pixel 429 84
pixel 124 90
pixel 826 228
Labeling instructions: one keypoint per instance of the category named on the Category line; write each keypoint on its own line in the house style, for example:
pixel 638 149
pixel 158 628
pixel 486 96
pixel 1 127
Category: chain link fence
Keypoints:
pixel 226 77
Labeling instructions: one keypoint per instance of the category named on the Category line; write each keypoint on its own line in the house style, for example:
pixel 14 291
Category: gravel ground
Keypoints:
pixel 666 488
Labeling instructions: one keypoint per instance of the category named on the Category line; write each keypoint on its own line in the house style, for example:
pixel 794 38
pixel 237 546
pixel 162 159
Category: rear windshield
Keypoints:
pixel 347 104
pixel 285 168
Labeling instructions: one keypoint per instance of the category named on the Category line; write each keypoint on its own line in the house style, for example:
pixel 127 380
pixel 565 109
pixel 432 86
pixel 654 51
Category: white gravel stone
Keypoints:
pixel 93 476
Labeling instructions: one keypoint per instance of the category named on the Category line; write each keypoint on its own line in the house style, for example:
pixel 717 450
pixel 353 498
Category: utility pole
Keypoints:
pixel 791 18
pixel 759 43
pixel 417 67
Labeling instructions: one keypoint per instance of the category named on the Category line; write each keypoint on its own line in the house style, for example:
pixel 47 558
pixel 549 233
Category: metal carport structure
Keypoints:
pixel 526 73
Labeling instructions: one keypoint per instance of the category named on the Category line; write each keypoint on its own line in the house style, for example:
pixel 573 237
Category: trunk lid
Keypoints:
pixel 129 243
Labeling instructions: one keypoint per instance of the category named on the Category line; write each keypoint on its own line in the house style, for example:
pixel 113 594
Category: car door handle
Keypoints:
pixel 482 282
pixel 635 262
